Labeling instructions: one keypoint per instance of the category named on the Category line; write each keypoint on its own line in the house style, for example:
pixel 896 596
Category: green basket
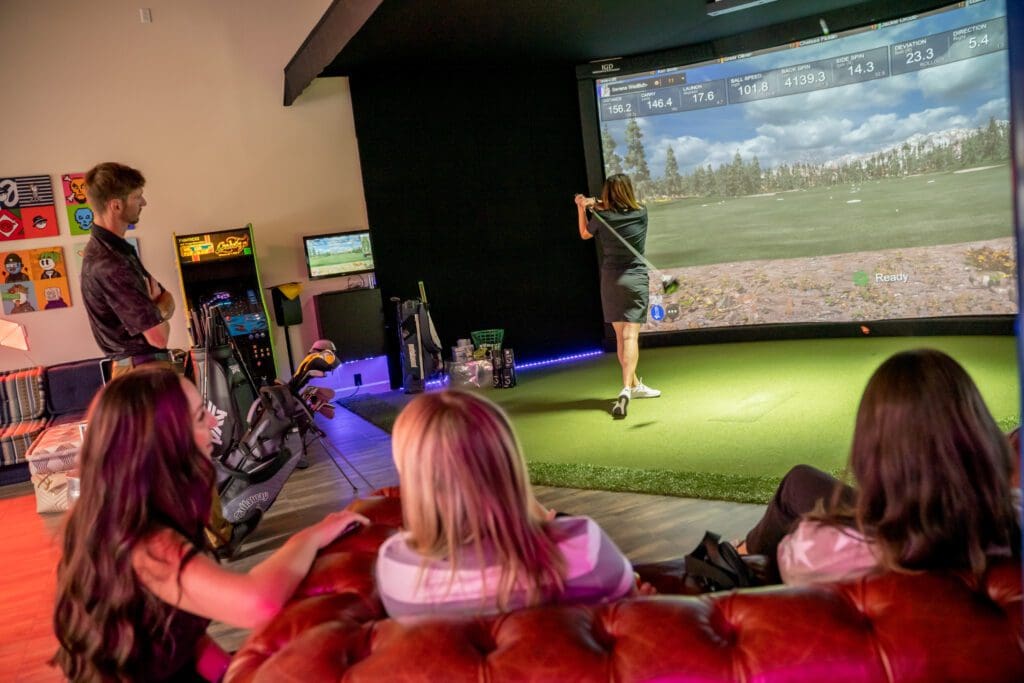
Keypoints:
pixel 490 338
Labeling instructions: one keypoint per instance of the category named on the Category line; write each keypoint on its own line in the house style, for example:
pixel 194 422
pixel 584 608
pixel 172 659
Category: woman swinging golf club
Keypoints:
pixel 624 274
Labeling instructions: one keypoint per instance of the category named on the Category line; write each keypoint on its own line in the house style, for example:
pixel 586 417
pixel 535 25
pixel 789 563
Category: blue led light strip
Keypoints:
pixel 558 360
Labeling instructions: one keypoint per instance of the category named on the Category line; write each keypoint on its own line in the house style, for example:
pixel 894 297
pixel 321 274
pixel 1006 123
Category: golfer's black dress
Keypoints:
pixel 624 280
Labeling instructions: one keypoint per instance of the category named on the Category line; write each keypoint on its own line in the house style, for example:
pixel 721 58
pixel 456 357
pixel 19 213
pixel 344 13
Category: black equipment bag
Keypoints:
pixel 715 565
pixel 420 345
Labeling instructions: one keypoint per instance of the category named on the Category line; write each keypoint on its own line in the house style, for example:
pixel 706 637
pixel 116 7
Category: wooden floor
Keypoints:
pixel 646 528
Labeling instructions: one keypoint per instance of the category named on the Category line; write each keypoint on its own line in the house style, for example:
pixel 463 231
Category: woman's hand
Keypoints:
pixel 333 525
pixel 585 202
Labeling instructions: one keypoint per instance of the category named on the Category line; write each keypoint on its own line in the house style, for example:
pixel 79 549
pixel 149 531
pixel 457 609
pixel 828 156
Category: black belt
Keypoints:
pixel 142 359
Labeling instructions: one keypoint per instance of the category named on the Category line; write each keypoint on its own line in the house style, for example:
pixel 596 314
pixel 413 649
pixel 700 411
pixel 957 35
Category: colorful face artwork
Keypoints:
pixel 33 280
pixel 80 215
pixel 27 208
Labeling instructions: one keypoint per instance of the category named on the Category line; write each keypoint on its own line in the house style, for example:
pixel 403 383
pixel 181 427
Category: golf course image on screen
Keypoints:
pixel 338 254
pixel 860 176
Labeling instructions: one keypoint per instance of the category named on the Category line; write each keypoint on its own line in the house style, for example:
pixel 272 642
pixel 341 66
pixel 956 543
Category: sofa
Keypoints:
pixel 903 628
pixel 33 399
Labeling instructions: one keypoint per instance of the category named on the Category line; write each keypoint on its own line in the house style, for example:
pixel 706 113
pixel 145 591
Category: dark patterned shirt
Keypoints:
pixel 116 295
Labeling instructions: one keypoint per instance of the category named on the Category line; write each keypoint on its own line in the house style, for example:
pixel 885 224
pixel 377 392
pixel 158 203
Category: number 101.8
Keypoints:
pixel 753 88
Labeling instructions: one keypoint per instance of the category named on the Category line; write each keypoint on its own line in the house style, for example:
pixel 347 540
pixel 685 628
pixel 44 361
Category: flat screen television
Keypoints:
pixel 851 177
pixel 338 254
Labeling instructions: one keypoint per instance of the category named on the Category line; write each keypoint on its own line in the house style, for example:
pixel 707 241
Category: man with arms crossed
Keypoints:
pixel 128 309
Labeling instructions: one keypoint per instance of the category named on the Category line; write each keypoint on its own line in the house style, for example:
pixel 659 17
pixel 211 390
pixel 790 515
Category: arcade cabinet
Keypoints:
pixel 219 269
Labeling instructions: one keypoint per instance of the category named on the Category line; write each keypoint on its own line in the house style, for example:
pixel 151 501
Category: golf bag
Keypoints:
pixel 228 393
pixel 222 378
pixel 420 345
pixel 252 472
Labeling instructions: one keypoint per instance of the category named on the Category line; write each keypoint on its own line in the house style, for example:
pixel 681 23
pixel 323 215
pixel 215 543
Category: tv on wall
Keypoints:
pixel 855 176
pixel 338 254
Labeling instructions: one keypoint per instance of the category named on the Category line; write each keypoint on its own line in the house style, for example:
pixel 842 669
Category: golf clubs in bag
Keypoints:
pixel 419 343
pixel 253 471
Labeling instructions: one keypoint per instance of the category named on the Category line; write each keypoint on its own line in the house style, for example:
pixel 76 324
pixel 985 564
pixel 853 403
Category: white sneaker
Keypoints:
pixel 641 390
pixel 621 404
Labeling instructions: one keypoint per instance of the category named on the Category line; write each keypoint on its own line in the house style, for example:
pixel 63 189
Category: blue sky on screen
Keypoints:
pixel 829 124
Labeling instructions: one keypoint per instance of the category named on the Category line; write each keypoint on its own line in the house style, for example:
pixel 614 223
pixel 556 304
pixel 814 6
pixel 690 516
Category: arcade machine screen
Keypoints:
pixel 219 269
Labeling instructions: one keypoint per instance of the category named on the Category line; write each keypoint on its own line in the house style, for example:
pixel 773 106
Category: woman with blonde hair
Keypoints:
pixel 137 584
pixel 475 538
pixel 624 277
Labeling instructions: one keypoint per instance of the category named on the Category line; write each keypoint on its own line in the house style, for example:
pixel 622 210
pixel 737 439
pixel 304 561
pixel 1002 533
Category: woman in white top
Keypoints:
pixel 475 538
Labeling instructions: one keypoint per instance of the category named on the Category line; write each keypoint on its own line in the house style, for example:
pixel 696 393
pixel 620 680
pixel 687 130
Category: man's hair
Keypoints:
pixel 111 180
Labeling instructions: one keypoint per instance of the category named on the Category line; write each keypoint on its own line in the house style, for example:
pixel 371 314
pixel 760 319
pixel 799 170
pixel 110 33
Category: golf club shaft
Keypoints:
pixel 650 266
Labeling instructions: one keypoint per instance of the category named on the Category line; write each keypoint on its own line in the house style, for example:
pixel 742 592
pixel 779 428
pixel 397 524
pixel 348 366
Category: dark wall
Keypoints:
pixel 469 175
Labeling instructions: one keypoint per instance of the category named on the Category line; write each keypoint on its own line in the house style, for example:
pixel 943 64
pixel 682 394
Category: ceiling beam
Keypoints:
pixel 336 27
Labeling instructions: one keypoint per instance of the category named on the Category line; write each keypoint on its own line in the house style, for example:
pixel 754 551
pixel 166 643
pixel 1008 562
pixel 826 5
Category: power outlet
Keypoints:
pixel 358 379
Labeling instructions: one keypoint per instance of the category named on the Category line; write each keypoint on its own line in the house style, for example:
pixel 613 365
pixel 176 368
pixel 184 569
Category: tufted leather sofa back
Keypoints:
pixel 900 628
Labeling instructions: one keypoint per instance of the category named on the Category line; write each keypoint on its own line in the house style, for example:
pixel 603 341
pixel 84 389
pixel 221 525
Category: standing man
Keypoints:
pixel 128 309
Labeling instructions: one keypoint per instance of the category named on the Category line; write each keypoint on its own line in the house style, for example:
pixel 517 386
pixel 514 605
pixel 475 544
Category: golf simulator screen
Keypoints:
pixel 859 176
pixel 338 254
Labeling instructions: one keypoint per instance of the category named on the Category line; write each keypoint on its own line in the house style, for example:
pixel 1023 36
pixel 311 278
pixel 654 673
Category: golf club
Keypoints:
pixel 669 284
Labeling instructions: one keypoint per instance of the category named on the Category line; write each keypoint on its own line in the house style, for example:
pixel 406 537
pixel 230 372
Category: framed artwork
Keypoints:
pixel 27 208
pixel 34 280
pixel 79 212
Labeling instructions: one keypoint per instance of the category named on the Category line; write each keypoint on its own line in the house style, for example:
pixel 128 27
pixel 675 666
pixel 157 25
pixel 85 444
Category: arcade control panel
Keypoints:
pixel 247 325
pixel 248 328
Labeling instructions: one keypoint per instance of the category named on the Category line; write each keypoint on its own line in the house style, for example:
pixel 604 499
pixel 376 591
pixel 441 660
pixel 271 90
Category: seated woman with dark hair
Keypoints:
pixel 137 584
pixel 475 538
pixel 932 489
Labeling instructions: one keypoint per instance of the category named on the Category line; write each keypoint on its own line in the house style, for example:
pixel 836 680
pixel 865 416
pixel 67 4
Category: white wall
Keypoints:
pixel 193 100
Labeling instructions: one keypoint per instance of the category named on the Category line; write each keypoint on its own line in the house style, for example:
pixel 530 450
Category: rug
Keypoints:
pixel 380 410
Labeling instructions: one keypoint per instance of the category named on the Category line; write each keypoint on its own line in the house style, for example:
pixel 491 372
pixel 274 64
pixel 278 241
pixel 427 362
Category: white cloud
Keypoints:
pixel 959 79
pixel 998 108
pixel 882 130
pixel 814 140
pixel 849 98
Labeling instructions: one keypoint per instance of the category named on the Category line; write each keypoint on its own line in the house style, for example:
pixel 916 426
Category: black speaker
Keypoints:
pixel 354 320
pixel 286 311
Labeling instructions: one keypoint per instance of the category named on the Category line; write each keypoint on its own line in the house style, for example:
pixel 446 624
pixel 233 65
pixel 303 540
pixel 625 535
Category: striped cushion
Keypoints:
pixel 22 396
pixel 15 440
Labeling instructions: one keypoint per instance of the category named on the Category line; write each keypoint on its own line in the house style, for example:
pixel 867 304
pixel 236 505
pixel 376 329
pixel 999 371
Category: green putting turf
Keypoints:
pixel 733 418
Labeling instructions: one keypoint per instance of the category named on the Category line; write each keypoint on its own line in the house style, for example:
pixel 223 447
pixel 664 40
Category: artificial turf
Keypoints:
pixel 733 418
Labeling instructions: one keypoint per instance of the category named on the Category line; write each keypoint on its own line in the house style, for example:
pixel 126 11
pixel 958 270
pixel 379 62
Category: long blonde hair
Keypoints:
pixel 464 488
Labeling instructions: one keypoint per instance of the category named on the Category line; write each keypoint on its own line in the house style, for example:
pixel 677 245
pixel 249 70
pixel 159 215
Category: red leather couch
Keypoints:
pixel 922 628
